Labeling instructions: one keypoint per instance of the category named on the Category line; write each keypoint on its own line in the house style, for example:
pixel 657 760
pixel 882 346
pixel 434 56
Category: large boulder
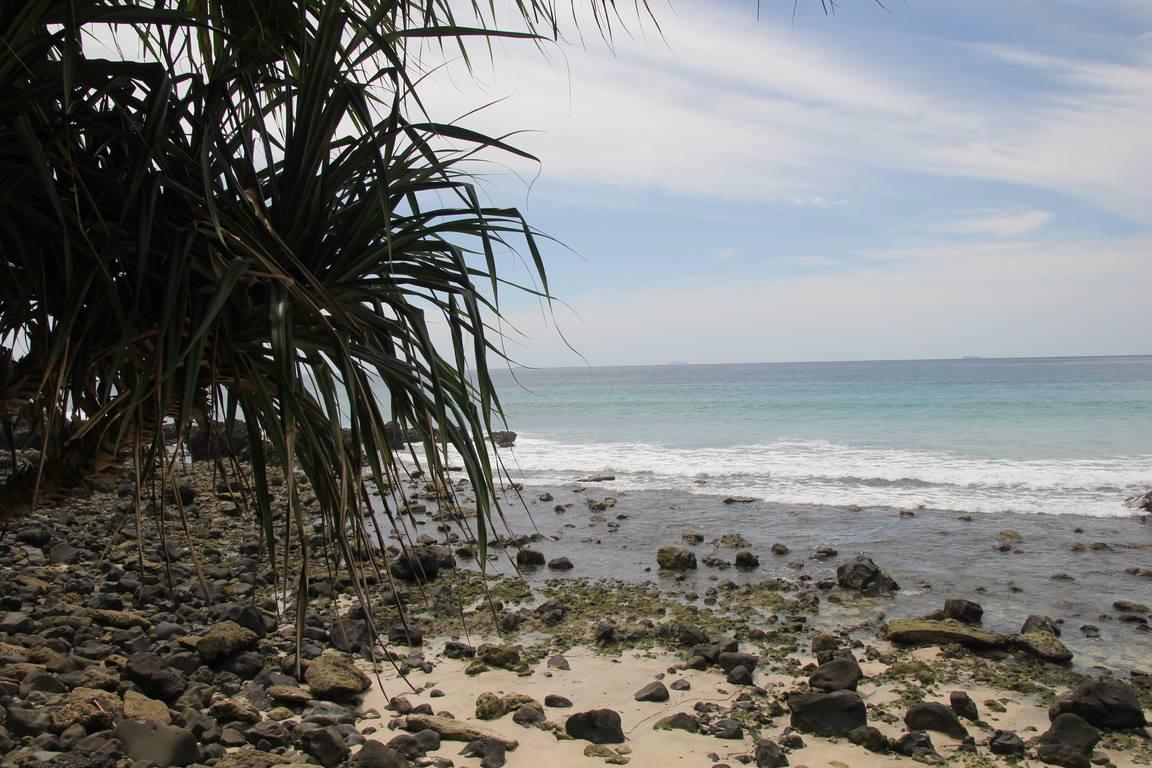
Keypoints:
pixel 599 726
pixel 675 558
pixel 1068 742
pixel 333 677
pixel 827 714
pixel 862 575
pixel 1106 704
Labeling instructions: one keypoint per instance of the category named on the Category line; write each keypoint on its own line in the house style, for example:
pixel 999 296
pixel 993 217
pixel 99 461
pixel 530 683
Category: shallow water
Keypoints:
pixel 933 556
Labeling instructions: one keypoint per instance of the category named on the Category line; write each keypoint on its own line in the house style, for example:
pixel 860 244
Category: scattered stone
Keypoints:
pixel 837 675
pixel 934 716
pixel 1068 742
pixel 681 721
pixel 862 575
pixel 827 714
pixel 870 738
pixel 556 701
pixel 558 662
pixel 454 730
pixel 769 755
pixel 374 754
pixel 1006 743
pixel 529 558
pixel 490 751
pixel 930 632
pixel 740 499
pixel 154 676
pixel 599 726
pixel 160 744
pixel 1043 625
pixel 746 561
pixel 916 744
pixel 325 744
pixel 137 706
pixel 503 656
pixel 680 685
pixel 963 611
pixel 675 558
pixel 225 639
pixel 780 549
pixel 333 677
pixel 560 564
pixel 963 706
pixel 1043 646
pixel 1106 704
pixel 654 691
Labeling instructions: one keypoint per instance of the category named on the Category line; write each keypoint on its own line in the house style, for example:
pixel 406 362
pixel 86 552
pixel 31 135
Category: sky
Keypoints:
pixel 937 178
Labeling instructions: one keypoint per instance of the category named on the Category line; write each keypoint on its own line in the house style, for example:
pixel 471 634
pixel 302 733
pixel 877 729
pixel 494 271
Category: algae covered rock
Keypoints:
pixel 931 632
pixel 225 639
pixel 503 656
pixel 1043 646
pixel 333 677
pixel 675 558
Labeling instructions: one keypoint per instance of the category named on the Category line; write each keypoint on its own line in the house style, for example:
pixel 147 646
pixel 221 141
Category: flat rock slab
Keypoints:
pixel 1043 646
pixel 931 632
pixel 454 730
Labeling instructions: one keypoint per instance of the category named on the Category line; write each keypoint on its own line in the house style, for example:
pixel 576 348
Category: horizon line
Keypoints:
pixel 965 358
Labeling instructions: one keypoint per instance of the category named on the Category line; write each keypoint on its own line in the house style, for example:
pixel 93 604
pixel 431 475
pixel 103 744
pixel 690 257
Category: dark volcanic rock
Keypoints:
pixel 154 676
pixel 827 714
pixel 1006 743
pixel 769 755
pixel 1071 731
pixel 964 611
pixel 870 738
pixel 599 726
pixel 916 744
pixel 560 564
pixel 837 675
pixel 963 705
pixel 376 755
pixel 654 691
pixel 933 716
pixel 729 660
pixel 863 575
pixel 324 744
pixel 454 649
pixel 746 561
pixel 740 675
pixel 1105 704
pixel 529 558
pixel 490 751
pixel 160 744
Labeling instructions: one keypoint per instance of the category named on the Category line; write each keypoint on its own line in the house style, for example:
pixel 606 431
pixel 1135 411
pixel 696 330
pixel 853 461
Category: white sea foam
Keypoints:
pixel 818 472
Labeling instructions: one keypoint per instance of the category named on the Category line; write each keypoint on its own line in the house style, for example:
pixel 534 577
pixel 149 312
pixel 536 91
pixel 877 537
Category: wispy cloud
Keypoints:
pixel 994 223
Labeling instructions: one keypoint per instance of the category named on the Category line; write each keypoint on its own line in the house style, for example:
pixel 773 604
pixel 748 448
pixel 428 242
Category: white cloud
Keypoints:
pixel 731 108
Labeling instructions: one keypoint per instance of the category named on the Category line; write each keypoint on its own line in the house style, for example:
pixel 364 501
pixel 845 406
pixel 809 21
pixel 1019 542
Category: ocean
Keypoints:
pixel 1030 435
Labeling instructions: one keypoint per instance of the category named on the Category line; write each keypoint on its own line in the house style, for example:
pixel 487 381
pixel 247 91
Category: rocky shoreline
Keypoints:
pixel 112 655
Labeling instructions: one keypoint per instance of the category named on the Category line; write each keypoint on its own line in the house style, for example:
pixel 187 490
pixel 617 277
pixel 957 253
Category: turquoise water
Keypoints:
pixel 1053 435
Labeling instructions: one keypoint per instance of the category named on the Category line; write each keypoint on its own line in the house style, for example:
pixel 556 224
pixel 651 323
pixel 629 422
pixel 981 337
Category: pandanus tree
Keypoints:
pixel 238 210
